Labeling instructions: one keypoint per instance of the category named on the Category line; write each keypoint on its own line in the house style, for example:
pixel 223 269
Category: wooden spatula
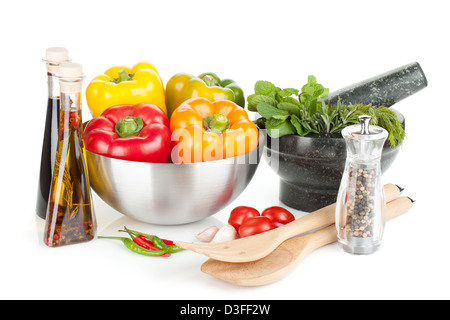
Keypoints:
pixel 284 258
pixel 260 245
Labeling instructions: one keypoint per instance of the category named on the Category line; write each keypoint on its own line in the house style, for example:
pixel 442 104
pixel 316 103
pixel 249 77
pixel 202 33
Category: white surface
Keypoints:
pixel 340 42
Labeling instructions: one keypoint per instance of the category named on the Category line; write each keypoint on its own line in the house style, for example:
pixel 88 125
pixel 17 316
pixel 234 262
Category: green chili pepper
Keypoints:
pixel 174 248
pixel 136 248
pixel 159 242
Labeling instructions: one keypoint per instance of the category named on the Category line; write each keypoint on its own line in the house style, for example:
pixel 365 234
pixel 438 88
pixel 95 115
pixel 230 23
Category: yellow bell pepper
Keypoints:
pixel 122 85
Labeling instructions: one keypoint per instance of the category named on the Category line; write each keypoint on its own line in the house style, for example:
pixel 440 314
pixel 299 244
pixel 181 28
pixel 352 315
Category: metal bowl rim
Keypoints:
pixel 230 160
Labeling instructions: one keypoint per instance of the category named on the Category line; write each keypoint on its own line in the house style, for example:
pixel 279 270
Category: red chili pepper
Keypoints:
pixel 74 119
pixel 146 243
pixel 168 242
pixel 150 242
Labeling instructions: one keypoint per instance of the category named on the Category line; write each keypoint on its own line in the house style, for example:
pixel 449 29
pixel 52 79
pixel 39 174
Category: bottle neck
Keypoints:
pixel 70 101
pixel 53 86
pixel 70 94
pixel 70 113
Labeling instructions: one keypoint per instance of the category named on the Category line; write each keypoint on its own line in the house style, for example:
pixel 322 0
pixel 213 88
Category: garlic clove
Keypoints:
pixel 225 233
pixel 208 234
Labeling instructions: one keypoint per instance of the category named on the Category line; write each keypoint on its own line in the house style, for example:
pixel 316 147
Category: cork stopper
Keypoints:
pixel 70 70
pixel 70 77
pixel 54 56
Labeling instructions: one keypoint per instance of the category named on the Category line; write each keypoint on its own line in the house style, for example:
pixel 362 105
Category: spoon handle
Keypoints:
pixel 326 216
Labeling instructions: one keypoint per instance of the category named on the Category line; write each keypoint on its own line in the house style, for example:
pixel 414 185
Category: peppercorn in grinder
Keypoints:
pixel 361 203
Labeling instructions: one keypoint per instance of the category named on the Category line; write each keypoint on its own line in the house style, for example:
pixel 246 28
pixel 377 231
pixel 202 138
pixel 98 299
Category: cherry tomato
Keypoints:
pixel 255 225
pixel 240 214
pixel 279 216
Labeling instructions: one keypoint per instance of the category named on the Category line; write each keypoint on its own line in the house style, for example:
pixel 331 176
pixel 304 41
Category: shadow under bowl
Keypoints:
pixel 311 168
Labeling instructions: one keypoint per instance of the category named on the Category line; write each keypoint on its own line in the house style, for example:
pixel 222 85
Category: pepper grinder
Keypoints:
pixel 361 202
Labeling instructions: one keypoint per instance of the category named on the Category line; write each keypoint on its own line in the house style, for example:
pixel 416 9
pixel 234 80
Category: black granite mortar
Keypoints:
pixel 310 168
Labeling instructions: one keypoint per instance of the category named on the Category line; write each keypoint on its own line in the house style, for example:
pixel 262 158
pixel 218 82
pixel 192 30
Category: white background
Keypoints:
pixel 340 42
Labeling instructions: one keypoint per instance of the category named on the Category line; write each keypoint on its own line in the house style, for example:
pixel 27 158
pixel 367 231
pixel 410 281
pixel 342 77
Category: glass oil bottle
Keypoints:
pixel 361 202
pixel 70 215
pixel 53 58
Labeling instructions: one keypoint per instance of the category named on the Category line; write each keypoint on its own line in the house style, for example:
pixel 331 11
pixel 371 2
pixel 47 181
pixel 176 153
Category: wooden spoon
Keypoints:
pixel 260 245
pixel 284 258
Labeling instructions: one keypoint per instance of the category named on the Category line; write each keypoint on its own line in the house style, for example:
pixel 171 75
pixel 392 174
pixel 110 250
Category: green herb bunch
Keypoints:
pixel 291 111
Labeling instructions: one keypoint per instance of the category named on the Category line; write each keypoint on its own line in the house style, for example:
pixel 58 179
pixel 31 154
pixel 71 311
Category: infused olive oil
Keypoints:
pixel 70 215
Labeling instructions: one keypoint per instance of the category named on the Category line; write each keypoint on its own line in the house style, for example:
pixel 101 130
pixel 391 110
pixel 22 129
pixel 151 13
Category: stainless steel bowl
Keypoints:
pixel 170 194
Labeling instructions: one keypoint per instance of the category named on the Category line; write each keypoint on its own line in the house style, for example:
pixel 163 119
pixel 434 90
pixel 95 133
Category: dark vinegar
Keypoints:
pixel 48 156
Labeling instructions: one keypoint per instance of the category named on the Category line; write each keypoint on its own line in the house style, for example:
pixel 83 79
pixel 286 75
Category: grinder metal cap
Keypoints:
pixel 364 141
pixel 70 77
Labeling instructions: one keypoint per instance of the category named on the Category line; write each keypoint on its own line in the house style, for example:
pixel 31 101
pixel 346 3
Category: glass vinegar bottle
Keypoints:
pixel 70 215
pixel 53 58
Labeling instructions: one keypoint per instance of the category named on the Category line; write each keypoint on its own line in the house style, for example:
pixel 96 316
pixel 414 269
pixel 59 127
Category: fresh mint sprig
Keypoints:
pixel 283 110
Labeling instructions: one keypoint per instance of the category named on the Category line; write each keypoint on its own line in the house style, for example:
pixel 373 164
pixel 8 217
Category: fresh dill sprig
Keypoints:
pixel 384 117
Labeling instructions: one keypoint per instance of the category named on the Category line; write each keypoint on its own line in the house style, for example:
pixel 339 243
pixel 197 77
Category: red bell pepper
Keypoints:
pixel 138 132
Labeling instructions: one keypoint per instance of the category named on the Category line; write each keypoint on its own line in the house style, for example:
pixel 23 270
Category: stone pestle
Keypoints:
pixel 385 89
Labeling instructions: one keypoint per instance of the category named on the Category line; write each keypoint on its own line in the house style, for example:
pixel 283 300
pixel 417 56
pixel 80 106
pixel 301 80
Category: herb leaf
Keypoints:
pixel 268 111
pixel 312 91
pixel 297 123
pixel 264 87
pixel 289 107
pixel 254 99
pixel 291 100
pixel 288 92
pixel 279 130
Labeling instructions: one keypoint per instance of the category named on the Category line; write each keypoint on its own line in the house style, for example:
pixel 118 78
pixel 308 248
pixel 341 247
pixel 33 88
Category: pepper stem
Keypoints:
pixel 114 238
pixel 217 123
pixel 129 126
pixel 209 80
pixel 123 76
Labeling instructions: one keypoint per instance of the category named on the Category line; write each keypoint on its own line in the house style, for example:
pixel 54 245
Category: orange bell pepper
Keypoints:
pixel 204 131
